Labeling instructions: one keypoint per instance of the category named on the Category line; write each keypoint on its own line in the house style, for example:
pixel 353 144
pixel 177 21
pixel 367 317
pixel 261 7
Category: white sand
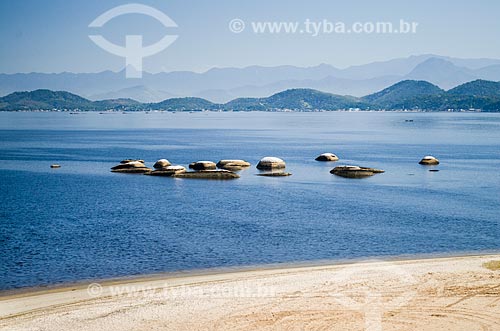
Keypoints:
pixel 430 294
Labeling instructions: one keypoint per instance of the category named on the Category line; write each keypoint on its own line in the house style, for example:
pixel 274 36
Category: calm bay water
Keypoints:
pixel 83 222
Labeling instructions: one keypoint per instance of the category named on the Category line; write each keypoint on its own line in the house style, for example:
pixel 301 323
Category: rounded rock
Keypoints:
pixel 429 160
pixel 131 160
pixel 161 163
pixel 271 162
pixel 131 167
pixel 203 165
pixel 327 157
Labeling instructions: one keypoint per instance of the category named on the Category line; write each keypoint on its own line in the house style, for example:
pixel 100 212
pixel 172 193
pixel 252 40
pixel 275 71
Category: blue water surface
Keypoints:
pixel 83 222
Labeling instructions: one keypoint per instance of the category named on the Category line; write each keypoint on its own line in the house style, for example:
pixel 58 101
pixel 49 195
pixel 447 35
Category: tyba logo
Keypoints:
pixel 133 51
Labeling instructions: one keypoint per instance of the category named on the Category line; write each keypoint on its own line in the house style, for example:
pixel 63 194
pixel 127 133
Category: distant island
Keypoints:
pixel 416 95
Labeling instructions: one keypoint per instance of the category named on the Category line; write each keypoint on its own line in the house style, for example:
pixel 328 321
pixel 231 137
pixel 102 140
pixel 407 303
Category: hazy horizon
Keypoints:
pixel 54 37
pixel 257 65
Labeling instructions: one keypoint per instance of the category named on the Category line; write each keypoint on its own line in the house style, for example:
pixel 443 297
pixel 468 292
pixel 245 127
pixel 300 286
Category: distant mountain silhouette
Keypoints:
pixel 220 85
pixel 442 73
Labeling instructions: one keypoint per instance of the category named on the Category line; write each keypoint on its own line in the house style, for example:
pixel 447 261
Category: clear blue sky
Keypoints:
pixel 52 36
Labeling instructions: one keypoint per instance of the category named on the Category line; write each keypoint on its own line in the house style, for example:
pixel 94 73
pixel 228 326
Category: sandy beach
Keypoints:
pixel 455 293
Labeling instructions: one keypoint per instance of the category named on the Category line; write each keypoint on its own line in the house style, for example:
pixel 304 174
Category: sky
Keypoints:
pixel 52 36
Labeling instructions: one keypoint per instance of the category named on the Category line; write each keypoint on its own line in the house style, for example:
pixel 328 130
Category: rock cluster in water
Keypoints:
pixel 163 167
pixel 225 169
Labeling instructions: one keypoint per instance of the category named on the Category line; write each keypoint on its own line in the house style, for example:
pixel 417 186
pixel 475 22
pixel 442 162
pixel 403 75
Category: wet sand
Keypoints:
pixel 454 293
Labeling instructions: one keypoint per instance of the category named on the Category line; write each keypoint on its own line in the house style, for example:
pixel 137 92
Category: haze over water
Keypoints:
pixel 82 221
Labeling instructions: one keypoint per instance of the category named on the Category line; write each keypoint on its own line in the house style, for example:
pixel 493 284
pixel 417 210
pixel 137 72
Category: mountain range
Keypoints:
pixel 407 94
pixel 220 85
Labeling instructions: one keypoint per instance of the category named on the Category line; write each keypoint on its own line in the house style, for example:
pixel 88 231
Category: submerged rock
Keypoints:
pixel 275 174
pixel 327 157
pixel 133 170
pixel 161 163
pixel 232 165
pixel 202 165
pixel 207 174
pixel 270 162
pixel 133 167
pixel 429 160
pixel 167 171
pixel 355 171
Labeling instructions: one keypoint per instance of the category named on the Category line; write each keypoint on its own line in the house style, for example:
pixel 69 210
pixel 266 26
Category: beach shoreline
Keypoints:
pixel 168 301
pixel 83 283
